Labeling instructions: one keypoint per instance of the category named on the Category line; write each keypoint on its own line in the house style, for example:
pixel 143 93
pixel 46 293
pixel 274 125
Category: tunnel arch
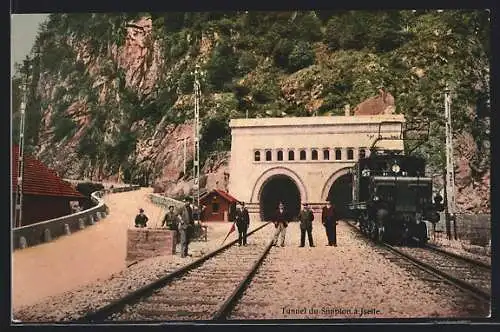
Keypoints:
pixel 279 188
pixel 338 190
pixel 274 174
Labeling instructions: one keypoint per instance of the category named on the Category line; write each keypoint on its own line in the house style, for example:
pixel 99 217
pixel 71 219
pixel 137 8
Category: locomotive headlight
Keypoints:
pixel 375 198
pixel 395 168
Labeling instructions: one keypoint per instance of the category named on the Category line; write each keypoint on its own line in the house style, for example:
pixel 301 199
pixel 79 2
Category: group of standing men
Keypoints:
pixel 183 223
pixel 306 217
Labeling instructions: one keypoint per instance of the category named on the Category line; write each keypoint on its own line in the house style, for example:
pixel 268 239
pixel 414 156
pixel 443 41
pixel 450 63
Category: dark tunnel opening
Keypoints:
pixel 340 195
pixel 279 188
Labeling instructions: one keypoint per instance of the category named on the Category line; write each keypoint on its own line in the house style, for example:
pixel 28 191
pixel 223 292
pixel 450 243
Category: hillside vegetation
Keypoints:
pixel 110 94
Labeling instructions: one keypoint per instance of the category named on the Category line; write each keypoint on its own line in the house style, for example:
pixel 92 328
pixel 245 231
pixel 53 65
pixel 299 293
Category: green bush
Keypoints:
pixel 301 56
pixel 246 63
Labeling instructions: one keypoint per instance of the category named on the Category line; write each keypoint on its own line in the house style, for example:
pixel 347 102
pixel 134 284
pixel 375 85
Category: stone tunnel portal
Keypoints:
pixel 340 195
pixel 279 188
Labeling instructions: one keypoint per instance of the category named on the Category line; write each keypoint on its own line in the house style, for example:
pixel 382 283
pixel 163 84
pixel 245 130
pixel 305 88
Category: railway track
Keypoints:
pixel 472 277
pixel 206 289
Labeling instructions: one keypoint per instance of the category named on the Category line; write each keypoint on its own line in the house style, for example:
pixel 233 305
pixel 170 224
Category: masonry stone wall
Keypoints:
pixel 313 176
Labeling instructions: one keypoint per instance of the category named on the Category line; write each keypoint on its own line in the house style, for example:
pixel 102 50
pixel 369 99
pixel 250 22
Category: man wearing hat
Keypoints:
pixel 185 217
pixel 329 220
pixel 280 223
pixel 242 222
pixel 141 219
pixel 306 218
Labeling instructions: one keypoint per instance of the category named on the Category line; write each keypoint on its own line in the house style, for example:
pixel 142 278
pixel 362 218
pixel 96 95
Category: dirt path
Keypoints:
pixel 79 259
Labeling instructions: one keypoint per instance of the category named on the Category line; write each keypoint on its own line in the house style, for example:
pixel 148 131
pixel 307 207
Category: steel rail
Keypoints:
pixel 115 306
pixel 457 256
pixel 232 300
pixel 463 285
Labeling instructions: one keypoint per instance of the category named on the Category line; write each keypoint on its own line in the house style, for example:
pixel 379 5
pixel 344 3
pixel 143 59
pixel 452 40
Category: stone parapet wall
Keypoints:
pixel 46 231
pixel 144 243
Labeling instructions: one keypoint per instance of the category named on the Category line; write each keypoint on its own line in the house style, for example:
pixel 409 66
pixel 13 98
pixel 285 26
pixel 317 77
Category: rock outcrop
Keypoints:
pixel 381 104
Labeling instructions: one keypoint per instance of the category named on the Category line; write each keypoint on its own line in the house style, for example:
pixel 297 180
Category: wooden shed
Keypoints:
pixel 45 194
pixel 219 206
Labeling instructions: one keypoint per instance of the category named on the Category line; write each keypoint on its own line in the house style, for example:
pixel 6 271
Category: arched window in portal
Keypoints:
pixel 314 154
pixel 269 155
pixel 326 154
pixel 291 155
pixel 338 154
pixel 302 154
pixel 350 154
pixel 280 155
pixel 257 156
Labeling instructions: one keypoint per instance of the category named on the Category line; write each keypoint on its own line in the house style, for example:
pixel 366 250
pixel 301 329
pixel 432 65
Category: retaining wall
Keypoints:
pixel 46 231
pixel 165 201
pixel 470 227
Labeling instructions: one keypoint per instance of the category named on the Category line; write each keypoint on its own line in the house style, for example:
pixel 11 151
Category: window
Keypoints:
pixel 268 156
pixel 350 154
pixel 215 207
pixel 362 153
pixel 314 154
pixel 257 156
pixel 338 154
pixel 280 155
pixel 291 155
pixel 302 154
pixel 326 154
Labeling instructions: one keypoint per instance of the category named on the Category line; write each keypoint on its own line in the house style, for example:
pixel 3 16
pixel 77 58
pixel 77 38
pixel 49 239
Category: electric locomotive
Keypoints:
pixel 392 197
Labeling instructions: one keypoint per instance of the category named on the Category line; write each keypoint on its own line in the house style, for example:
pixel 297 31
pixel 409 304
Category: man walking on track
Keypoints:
pixel 328 219
pixel 242 224
pixel 280 223
pixel 306 218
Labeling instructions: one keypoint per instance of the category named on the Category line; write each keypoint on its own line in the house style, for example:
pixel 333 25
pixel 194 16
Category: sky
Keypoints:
pixel 24 28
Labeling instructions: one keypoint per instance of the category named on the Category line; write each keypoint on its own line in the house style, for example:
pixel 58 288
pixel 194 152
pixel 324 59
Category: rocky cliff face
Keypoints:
pixel 114 91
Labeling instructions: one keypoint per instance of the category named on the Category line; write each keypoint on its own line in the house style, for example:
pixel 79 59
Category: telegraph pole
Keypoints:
pixel 450 174
pixel 184 139
pixel 196 143
pixel 18 216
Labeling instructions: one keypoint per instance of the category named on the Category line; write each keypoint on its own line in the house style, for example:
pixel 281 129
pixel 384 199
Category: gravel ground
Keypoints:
pixel 77 277
pixel 334 282
pixel 482 254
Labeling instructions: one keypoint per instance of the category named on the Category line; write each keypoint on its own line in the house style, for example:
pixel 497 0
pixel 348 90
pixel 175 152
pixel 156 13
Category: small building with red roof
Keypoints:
pixel 219 206
pixel 45 195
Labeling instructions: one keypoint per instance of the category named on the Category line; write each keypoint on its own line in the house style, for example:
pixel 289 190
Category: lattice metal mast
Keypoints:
pixel 196 143
pixel 20 163
pixel 450 175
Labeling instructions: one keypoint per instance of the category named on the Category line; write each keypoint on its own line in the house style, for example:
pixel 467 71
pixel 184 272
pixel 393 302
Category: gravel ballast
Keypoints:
pixel 64 279
pixel 348 281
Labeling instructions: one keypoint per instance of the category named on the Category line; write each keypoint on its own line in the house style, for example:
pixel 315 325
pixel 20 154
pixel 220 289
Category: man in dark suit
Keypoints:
pixel 328 219
pixel 241 224
pixel 306 218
